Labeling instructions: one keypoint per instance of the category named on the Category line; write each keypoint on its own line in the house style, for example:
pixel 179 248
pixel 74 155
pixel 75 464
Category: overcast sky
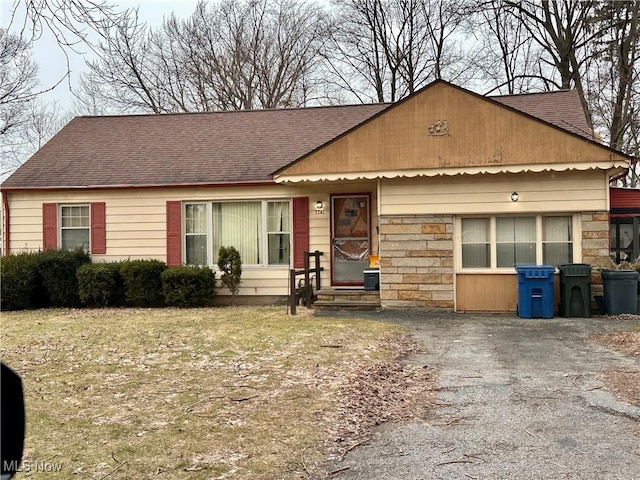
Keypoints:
pixel 51 60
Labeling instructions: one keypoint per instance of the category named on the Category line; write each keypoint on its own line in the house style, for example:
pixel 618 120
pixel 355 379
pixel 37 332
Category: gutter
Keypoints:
pixel 632 162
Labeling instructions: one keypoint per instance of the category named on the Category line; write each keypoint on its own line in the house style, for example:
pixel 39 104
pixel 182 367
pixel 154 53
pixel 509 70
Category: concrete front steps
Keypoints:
pixel 347 299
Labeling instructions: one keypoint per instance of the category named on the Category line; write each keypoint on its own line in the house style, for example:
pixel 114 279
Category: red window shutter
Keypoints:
pixel 174 233
pixel 300 230
pixel 98 228
pixel 49 226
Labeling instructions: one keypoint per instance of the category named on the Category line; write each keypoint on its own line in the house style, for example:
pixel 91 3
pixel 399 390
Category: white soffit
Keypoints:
pixel 494 169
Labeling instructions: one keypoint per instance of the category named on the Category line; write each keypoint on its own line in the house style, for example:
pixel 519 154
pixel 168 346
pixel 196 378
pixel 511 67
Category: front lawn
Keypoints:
pixel 198 393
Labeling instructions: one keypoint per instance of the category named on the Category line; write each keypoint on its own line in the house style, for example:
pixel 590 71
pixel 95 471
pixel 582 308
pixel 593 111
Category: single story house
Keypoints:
pixel 450 188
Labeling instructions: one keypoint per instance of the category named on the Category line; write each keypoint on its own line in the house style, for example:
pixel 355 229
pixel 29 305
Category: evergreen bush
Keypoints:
pixel 143 282
pixel 230 264
pixel 58 269
pixel 100 285
pixel 188 286
pixel 20 285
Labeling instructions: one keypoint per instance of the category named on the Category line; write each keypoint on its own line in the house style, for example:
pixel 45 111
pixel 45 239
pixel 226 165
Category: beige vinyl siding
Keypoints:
pixel 25 216
pixel 570 191
pixel 136 223
pixel 132 232
pixel 319 234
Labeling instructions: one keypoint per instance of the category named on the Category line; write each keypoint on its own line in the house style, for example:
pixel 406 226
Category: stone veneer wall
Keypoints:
pixel 416 262
pixel 595 246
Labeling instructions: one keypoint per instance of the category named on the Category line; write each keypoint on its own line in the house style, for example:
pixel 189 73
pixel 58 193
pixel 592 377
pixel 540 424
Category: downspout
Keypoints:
pixel 632 164
pixel 379 203
pixel 607 182
pixel 7 223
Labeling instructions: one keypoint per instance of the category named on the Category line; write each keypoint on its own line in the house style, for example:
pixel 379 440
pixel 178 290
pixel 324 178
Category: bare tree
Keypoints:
pixel 124 77
pixel 614 79
pixel 18 79
pixel 25 121
pixel 506 53
pixel 74 25
pixel 591 46
pixel 562 29
pixel 229 55
pixel 18 84
pixel 256 54
pixel 619 74
pixel 383 50
pixel 443 19
pixel 41 121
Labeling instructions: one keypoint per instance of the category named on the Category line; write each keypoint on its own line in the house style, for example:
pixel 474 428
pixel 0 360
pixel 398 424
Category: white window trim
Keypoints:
pixel 264 253
pixel 60 227
pixel 576 231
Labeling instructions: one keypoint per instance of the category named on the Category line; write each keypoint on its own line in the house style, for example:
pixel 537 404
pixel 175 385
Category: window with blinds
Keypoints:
pixel 259 230
pixel 507 241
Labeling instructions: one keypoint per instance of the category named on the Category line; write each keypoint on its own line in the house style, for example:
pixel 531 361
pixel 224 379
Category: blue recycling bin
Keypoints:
pixel 535 291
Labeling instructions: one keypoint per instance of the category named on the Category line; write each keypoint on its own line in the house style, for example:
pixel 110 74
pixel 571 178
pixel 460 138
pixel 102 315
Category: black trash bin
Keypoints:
pixel 372 279
pixel 620 291
pixel 575 290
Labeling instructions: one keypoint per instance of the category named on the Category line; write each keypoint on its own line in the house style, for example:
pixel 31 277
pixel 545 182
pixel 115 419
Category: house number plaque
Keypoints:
pixel 441 127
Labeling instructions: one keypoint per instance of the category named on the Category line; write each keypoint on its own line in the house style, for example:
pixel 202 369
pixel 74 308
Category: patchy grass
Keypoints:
pixel 624 383
pixel 198 393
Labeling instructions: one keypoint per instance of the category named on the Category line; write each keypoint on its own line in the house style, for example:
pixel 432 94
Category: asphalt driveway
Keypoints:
pixel 518 398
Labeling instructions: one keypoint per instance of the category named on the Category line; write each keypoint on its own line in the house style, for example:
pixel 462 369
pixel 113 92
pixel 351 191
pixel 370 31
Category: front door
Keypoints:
pixel 350 239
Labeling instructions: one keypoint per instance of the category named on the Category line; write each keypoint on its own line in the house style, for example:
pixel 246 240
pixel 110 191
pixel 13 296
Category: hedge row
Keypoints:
pixel 43 279
pixel 60 278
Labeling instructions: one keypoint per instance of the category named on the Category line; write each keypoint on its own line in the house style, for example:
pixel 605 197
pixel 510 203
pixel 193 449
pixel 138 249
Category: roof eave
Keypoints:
pixel 613 166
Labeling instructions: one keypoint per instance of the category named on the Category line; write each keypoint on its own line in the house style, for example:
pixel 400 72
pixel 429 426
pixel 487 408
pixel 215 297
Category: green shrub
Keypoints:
pixel 143 283
pixel 57 269
pixel 188 286
pixel 230 264
pixel 20 286
pixel 100 285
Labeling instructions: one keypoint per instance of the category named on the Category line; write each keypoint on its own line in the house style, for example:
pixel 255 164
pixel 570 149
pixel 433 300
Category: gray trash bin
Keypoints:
pixel 620 291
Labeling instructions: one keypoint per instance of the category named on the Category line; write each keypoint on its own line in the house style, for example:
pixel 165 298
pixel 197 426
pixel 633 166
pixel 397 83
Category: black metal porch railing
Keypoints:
pixel 303 289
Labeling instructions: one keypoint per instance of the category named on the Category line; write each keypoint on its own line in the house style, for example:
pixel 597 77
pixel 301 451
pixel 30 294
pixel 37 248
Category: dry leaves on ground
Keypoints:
pixel 379 391
pixel 625 342
pixel 624 383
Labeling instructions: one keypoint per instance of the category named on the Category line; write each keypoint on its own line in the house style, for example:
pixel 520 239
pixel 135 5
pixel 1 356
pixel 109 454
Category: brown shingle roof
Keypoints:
pixel 561 108
pixel 220 147
pixel 193 148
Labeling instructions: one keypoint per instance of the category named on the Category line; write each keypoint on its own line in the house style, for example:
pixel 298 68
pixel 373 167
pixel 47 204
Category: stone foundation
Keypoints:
pixel 595 247
pixel 416 262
